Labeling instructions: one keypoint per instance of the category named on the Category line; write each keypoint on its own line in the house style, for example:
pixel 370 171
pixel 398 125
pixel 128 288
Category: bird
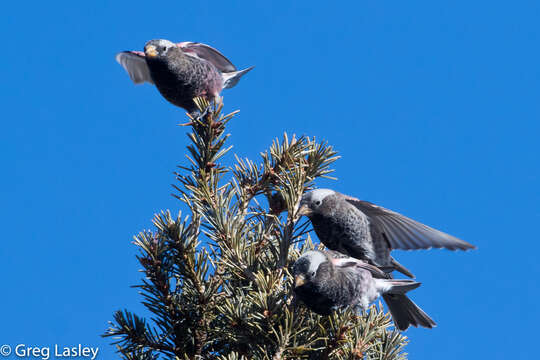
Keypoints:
pixel 326 281
pixel 369 232
pixel 181 71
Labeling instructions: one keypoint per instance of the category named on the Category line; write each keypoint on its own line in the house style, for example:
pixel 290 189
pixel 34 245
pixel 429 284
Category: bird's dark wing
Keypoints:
pixel 135 64
pixel 207 53
pixel 404 233
pixel 342 261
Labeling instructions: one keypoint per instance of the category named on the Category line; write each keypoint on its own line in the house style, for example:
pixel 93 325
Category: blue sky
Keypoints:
pixel 433 107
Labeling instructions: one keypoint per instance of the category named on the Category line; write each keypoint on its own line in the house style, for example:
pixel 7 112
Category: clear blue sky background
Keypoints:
pixel 434 108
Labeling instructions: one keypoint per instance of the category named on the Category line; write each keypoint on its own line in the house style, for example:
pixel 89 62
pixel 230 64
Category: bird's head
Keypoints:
pixel 312 201
pixel 158 48
pixel 307 266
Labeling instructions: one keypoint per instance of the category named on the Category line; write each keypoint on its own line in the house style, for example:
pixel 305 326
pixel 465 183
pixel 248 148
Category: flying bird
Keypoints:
pixel 369 232
pixel 327 281
pixel 181 71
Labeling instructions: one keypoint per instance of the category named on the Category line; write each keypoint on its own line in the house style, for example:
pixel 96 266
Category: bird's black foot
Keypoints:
pixel 202 116
pixel 195 115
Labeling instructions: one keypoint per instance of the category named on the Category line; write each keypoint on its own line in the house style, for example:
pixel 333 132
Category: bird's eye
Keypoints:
pixel 318 202
pixel 312 274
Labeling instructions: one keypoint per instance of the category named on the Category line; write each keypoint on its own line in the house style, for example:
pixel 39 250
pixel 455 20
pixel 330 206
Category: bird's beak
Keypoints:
pixel 305 210
pixel 150 51
pixel 299 280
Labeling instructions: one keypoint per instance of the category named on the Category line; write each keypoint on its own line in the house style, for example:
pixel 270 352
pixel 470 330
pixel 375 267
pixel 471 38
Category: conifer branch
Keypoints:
pixel 217 282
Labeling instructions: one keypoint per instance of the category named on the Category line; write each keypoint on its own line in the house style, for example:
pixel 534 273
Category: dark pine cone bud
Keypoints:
pixel 277 204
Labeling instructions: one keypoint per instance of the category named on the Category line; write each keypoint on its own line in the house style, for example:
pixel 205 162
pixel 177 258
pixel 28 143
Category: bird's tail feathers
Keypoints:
pixel 405 312
pixel 230 79
pixel 402 269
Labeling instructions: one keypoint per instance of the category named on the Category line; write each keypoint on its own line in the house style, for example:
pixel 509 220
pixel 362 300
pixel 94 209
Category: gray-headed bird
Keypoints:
pixel 327 281
pixel 369 232
pixel 181 71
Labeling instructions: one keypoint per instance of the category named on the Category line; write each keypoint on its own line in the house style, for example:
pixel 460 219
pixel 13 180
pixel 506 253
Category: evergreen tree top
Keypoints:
pixel 217 281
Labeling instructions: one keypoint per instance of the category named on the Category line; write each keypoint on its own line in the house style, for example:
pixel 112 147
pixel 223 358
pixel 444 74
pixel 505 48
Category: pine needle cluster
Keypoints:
pixel 217 280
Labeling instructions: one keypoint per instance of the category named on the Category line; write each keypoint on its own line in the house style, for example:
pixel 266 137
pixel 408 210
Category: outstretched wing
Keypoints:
pixel 407 234
pixel 207 53
pixel 135 64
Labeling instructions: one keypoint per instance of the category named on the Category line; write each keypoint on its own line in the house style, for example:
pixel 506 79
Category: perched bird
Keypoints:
pixel 326 281
pixel 369 232
pixel 181 71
